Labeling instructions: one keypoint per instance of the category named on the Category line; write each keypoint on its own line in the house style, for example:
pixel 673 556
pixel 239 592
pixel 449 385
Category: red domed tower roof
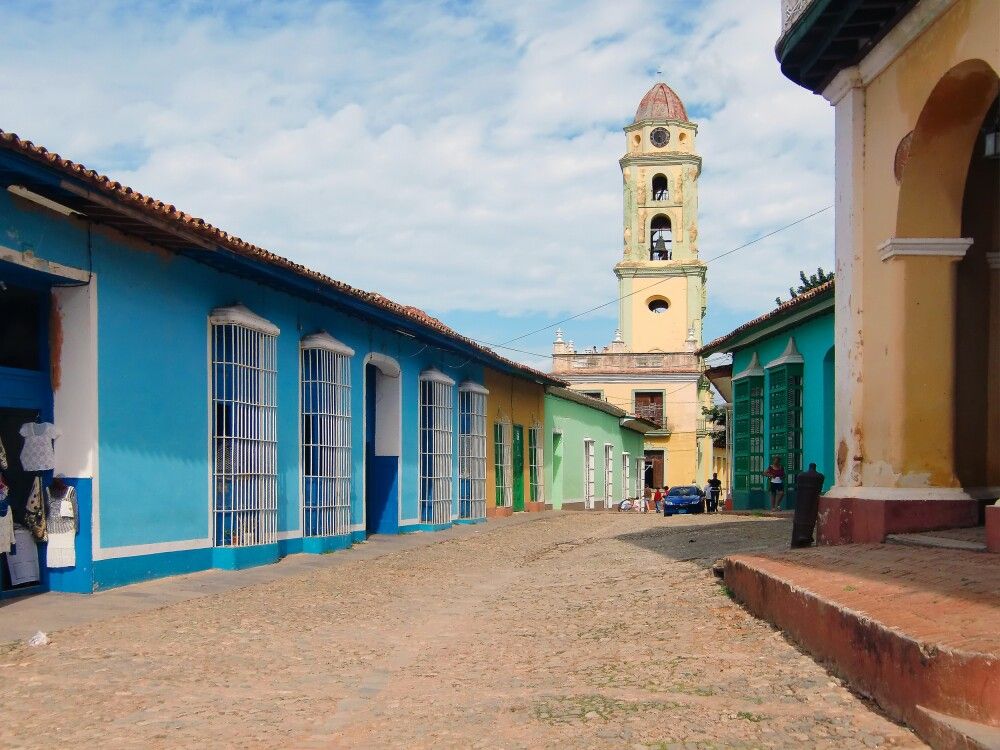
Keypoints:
pixel 661 103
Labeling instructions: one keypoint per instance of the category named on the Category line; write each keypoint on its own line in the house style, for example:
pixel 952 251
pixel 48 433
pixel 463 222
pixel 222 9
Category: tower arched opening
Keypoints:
pixel 661 238
pixel 661 188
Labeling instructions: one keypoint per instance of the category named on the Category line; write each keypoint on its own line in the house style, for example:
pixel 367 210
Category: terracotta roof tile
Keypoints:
pixel 718 344
pixel 661 103
pixel 170 215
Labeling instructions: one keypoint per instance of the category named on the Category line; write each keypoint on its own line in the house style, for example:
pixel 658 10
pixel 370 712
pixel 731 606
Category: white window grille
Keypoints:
pixel 244 428
pixel 536 465
pixel 609 475
pixel 503 464
pixel 472 451
pixel 436 395
pixel 626 476
pixel 588 473
pixel 325 421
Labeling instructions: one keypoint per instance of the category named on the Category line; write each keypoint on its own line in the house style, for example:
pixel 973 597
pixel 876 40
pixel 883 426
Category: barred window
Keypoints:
pixel 748 433
pixel 472 450
pixel 588 473
pixel 244 428
pixel 436 395
pixel 325 420
pixel 536 465
pixel 502 464
pixel 785 416
pixel 609 475
pixel 626 476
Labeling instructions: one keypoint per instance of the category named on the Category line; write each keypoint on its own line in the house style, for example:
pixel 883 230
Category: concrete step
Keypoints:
pixel 929 539
pixel 913 627
pixel 943 731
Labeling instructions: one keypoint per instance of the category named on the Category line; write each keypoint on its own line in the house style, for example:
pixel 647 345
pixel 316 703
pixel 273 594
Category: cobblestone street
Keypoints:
pixel 573 630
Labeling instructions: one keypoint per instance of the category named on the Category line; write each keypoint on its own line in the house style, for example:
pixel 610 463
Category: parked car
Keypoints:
pixel 684 498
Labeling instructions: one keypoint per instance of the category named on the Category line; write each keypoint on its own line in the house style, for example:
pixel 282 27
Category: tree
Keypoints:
pixel 715 418
pixel 807 283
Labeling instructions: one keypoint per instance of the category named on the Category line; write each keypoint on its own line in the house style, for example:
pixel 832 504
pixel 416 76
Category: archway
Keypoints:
pixel 383 442
pixel 947 199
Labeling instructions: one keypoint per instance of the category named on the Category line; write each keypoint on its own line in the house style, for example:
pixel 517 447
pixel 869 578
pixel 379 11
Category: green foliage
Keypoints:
pixel 807 283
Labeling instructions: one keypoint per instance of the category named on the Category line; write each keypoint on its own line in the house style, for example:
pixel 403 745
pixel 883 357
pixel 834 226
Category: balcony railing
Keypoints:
pixel 626 362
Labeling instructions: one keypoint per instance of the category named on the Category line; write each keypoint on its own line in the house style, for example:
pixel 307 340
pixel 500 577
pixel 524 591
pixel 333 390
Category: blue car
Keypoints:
pixel 685 498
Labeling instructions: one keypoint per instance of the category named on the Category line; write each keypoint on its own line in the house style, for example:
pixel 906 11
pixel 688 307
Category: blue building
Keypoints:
pixel 217 405
pixel 781 387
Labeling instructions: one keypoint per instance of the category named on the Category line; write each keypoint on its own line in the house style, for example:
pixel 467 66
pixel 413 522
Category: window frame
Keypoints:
pixel 503 463
pixel 243 489
pixel 472 451
pixel 536 462
pixel 589 471
pixel 325 430
pixel 436 445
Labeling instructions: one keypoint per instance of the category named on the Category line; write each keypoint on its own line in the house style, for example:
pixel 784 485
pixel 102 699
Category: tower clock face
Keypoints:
pixel 660 137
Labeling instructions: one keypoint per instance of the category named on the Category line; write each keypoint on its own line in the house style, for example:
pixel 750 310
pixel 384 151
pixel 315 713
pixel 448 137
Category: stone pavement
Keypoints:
pixel 20 618
pixel 548 633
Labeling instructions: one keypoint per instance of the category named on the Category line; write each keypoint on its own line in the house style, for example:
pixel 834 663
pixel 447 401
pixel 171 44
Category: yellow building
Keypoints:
pixel 515 441
pixel 650 368
pixel 917 433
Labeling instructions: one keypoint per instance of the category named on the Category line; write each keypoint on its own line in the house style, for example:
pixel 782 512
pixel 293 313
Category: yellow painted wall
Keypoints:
pixel 683 402
pixel 523 402
pixel 645 330
pixel 907 377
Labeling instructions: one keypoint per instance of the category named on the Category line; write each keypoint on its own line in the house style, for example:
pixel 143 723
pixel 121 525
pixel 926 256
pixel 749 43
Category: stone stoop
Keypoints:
pixel 918 668
pixel 940 730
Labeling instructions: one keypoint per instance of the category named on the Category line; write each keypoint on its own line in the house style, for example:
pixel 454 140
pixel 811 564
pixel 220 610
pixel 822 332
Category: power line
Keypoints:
pixel 503 345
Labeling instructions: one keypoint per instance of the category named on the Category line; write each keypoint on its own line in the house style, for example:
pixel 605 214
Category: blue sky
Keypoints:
pixel 458 156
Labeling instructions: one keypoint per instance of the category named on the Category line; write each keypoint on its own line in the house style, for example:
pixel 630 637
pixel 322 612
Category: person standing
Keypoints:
pixel 714 493
pixel 658 500
pixel 776 482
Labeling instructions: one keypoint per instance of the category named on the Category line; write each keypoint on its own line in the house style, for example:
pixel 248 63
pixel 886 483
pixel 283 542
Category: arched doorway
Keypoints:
pixel 383 438
pixel 977 317
pixel 946 233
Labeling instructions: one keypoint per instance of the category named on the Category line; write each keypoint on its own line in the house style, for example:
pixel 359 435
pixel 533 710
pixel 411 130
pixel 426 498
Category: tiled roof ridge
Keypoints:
pixel 170 213
pixel 779 310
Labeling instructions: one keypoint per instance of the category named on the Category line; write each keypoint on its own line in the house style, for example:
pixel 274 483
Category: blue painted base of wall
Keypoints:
pixel 238 558
pixel 469 521
pixel 121 571
pixel 358 536
pixel 318 545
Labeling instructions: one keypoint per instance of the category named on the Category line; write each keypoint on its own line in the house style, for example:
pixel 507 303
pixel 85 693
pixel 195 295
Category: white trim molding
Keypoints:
pixel 239 315
pixel 156 548
pixel 323 340
pixel 945 247
pixel 470 387
pixel 436 376
pixel 27 259
pixel 384 364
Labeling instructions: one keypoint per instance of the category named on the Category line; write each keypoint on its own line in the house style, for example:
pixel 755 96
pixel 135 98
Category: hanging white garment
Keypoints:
pixel 6 531
pixel 38 453
pixel 23 564
pixel 62 524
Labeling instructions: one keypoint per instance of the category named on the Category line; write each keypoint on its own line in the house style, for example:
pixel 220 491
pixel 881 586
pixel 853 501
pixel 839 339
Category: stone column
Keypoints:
pixel 847 96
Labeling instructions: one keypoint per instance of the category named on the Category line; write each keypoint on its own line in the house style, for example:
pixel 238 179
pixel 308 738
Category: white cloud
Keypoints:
pixel 400 145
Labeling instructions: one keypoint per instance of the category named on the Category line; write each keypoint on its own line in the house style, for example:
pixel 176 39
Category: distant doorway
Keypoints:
pixel 517 459
pixel 383 432
pixel 654 469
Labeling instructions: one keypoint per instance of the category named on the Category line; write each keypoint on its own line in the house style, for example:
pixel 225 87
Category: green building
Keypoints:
pixel 781 387
pixel 596 450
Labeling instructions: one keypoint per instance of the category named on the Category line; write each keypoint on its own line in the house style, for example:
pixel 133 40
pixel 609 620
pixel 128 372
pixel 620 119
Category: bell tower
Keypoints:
pixel 661 282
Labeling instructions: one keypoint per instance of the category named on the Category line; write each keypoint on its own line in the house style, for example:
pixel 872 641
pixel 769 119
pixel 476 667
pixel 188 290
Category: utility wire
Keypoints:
pixel 503 345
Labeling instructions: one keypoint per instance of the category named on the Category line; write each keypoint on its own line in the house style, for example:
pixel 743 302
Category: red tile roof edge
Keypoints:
pixel 170 214
pixel 816 291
